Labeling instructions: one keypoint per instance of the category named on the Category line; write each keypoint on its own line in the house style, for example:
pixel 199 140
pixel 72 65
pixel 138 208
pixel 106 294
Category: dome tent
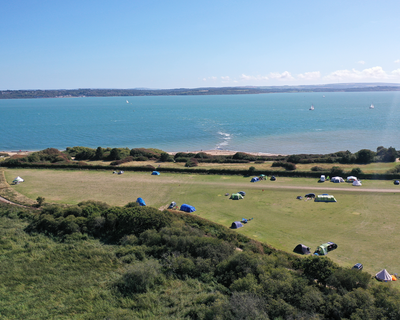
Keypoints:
pixel 255 179
pixel 236 225
pixel 337 179
pixel 302 249
pixel 155 173
pixel 236 196
pixel 357 183
pixel 141 202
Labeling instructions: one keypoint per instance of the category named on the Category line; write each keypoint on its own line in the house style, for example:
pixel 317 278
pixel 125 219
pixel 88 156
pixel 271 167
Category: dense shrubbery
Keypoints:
pixel 159 250
pixel 283 164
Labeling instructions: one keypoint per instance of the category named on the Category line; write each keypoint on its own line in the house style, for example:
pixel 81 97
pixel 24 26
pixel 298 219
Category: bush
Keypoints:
pixel 192 162
pixel 141 277
pixel 317 168
pixel 355 172
pixel 336 171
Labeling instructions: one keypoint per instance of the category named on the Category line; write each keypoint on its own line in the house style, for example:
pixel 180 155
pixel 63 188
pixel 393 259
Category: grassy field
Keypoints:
pixel 363 222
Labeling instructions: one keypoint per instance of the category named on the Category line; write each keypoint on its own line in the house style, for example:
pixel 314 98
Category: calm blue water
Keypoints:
pixel 273 123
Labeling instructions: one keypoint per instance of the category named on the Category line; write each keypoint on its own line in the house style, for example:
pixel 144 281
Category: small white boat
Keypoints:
pixel 127 101
pixel 312 107
pixel 371 106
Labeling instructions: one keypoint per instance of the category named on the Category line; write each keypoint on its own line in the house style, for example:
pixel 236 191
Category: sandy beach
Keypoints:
pixel 216 152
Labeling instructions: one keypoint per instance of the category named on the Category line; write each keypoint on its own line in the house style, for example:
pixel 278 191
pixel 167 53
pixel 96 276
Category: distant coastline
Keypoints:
pixel 81 93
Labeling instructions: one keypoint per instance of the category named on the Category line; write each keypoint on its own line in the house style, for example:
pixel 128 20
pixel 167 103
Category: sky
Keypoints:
pixel 191 44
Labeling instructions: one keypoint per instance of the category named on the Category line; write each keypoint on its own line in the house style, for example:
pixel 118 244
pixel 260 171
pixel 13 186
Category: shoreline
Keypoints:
pixel 217 152
pixel 213 152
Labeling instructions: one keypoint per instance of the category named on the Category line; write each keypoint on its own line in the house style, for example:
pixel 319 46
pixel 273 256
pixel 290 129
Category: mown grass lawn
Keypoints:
pixel 363 224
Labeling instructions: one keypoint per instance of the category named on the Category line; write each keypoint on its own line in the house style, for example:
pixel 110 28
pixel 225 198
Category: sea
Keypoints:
pixel 278 123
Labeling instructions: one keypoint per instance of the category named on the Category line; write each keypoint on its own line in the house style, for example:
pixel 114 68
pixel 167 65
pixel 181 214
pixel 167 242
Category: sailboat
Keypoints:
pixel 371 106
pixel 312 107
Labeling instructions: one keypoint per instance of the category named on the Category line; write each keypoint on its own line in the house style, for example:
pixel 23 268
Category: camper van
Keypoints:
pixel 322 179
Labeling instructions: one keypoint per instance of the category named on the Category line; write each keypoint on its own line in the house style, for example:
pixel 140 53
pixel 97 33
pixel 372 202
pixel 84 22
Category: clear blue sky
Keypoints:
pixel 174 44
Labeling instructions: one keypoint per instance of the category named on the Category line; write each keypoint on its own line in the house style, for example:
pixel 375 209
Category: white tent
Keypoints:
pixel 352 178
pixel 383 275
pixel 337 179
pixel 19 179
pixel 356 183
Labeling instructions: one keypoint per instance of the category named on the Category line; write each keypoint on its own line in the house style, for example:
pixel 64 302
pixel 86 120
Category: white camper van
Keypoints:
pixel 322 179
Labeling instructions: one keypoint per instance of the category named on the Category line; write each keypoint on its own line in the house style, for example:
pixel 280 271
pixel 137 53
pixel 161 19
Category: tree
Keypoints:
pixel 115 154
pixel 365 156
pixel 99 153
pixel 40 201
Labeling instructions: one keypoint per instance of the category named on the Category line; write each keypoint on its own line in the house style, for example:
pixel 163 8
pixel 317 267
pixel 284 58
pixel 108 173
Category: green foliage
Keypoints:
pixel 356 172
pixel 252 169
pixel 317 168
pixel 40 201
pixel 192 162
pixel 336 171
pixel 364 156
pixel 165 157
pixel 287 165
pixel 319 268
pixel 141 277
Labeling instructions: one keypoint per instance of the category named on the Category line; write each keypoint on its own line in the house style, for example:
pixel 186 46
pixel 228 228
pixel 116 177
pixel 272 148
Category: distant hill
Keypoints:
pixel 61 93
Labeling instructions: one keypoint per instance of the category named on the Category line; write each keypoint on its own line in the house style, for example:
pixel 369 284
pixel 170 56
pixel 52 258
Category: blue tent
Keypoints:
pixel 255 179
pixel 141 202
pixel 236 225
pixel 155 173
pixel 187 208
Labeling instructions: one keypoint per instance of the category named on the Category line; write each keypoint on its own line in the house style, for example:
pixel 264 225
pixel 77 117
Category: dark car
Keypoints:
pixel 273 178
pixel 358 266
pixel 396 182
pixel 242 193
pixel 310 195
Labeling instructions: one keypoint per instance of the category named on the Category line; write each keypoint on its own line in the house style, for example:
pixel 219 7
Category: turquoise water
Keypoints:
pixel 272 123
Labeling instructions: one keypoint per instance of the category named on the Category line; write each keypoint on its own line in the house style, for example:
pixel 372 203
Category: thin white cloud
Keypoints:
pixel 257 78
pixel 361 62
pixel 210 78
pixel 281 76
pixel 397 61
pixel 309 75
pixel 225 79
pixel 396 72
pixel 375 73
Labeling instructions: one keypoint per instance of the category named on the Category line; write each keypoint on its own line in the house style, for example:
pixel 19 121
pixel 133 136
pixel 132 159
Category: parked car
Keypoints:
pixel 358 266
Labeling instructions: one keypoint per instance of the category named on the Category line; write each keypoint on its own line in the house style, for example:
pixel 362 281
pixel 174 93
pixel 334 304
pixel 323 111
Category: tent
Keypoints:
pixel 242 193
pixel 255 179
pixel 141 202
pixel 273 178
pixel 236 196
pixel 383 275
pixel 236 225
pixel 396 182
pixel 337 179
pixel 302 249
pixel 356 183
pixel 187 208
pixel 324 248
pixel 325 198
pixel 155 173
pixel 351 178
pixel 18 179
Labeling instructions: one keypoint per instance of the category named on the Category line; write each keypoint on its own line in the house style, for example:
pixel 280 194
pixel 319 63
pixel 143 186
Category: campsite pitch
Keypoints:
pixel 363 222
